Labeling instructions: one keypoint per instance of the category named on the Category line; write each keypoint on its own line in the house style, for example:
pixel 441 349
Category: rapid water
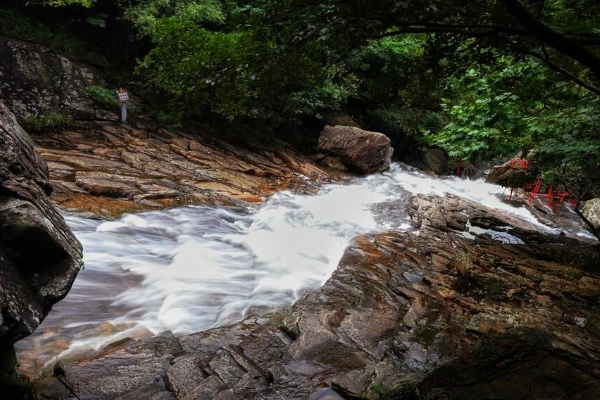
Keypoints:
pixel 193 268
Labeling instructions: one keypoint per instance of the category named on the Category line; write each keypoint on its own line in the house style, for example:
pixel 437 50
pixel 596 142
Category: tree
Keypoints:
pixel 511 105
pixel 562 33
pixel 525 76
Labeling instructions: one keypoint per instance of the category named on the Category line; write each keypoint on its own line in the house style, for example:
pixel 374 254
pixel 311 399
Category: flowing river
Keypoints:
pixel 194 268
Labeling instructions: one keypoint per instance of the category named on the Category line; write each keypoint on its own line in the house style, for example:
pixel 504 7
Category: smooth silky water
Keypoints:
pixel 194 268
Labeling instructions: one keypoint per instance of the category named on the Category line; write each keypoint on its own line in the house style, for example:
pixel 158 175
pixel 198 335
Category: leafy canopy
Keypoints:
pixel 479 78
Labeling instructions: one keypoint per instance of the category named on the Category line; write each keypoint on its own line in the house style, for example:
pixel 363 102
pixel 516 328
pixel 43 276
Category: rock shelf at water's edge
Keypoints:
pixel 438 312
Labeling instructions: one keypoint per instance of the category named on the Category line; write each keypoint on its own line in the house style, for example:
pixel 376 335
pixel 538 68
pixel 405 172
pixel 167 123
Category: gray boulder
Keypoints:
pixel 436 160
pixel 35 81
pixel 39 256
pixel 360 151
pixel 591 211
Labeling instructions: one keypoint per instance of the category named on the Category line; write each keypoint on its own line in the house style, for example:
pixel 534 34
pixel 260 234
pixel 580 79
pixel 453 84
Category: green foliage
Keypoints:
pixel 280 63
pixel 387 66
pixel 99 20
pixel 51 122
pixel 406 121
pixel 102 96
pixel 569 139
pixel 199 69
pixel 236 73
pixel 516 105
pixel 485 112
pixel 14 23
pixel 63 3
pixel 148 15
pixel 348 24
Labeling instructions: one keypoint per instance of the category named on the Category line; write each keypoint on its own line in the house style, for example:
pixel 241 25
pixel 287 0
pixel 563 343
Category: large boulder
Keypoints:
pixel 513 173
pixel 361 151
pixel 39 256
pixel 591 211
pixel 436 160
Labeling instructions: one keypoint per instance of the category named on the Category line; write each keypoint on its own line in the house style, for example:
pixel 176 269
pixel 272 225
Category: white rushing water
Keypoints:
pixel 193 268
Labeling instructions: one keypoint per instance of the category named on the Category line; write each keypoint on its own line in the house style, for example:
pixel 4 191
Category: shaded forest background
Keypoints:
pixel 480 79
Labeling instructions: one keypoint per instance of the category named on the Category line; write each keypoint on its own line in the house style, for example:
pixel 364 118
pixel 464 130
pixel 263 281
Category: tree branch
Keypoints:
pixel 552 38
pixel 475 30
pixel 556 68
pixel 541 9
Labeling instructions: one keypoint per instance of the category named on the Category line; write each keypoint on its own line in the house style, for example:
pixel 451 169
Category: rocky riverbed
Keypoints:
pixel 439 310
pixel 446 298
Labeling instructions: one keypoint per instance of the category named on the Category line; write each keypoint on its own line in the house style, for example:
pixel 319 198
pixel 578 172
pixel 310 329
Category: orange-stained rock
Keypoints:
pixel 153 169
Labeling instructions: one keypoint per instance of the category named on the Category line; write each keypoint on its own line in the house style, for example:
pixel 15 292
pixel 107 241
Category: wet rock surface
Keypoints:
pixel 39 256
pixel 474 304
pixel 360 151
pixel 108 169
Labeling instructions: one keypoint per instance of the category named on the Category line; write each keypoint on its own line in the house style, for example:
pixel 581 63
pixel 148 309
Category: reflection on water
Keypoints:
pixel 193 268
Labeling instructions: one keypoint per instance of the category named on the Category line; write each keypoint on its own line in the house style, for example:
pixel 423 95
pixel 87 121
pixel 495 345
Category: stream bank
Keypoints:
pixel 458 285
pixel 108 168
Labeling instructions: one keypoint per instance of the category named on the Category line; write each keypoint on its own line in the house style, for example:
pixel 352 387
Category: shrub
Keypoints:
pixel 102 96
pixel 51 122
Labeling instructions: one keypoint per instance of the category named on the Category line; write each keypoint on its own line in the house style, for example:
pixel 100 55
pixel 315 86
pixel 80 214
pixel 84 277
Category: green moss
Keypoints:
pixel 462 264
pixel 592 325
pixel 495 287
pixel 377 388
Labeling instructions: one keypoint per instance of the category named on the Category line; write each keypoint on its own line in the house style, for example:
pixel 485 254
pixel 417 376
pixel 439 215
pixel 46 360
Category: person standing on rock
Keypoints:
pixel 123 98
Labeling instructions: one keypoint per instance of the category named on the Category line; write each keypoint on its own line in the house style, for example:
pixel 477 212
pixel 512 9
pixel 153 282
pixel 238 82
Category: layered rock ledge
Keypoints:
pixel 108 169
pixel 445 311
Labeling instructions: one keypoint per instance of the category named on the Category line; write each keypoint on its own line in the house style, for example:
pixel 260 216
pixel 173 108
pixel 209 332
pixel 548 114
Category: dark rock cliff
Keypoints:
pixel 35 81
pixel 39 256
